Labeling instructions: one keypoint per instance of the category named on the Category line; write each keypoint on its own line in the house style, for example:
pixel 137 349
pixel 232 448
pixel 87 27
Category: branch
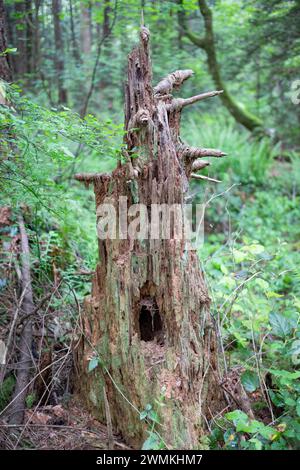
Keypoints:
pixel 207 43
pixel 199 165
pixel 98 53
pixel 195 152
pixel 172 80
pixel 90 177
pixel 197 40
pixel 179 103
pixel 206 178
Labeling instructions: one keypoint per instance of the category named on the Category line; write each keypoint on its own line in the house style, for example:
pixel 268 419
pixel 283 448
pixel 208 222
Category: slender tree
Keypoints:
pixel 36 41
pixel 20 60
pixel 75 46
pixel 5 70
pixel 86 29
pixel 207 43
pixel 59 51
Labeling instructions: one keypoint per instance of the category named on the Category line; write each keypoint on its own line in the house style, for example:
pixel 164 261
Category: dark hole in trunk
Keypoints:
pixel 150 323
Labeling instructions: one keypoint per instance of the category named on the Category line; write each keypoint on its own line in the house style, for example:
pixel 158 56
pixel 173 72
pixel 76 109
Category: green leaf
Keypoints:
pixel 143 415
pixel 273 295
pixel 257 443
pixel 153 442
pixel 254 249
pixel 281 325
pixel 231 439
pixel 153 416
pixel 236 416
pixel 250 381
pixel 8 50
pixel 289 401
pixel 266 431
pixel 94 362
pixel 285 374
pixel 295 352
pixel 239 256
pixel 264 285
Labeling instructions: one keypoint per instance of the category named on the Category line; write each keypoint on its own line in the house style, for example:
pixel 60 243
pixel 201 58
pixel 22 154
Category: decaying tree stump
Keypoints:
pixel 148 317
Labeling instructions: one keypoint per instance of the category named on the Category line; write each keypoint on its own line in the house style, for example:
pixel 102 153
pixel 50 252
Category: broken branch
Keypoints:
pixel 180 103
pixel 172 80
pixel 206 178
pixel 195 152
pixel 199 165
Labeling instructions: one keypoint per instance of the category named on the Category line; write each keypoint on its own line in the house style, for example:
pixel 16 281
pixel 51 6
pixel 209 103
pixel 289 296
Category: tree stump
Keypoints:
pixel 148 318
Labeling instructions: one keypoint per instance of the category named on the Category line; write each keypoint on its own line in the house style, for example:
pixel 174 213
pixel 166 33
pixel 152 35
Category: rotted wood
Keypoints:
pixel 199 165
pixel 148 316
pixel 195 152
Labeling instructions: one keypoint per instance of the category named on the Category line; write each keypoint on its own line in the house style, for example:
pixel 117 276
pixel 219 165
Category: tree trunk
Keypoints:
pixel 147 322
pixel 36 50
pixel 86 30
pixel 29 36
pixel 207 43
pixel 5 71
pixel 20 60
pixel 59 52
pixel 75 48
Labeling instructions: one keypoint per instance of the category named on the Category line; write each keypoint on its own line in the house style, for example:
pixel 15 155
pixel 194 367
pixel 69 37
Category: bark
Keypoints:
pixel 17 407
pixel 5 70
pixel 59 52
pixel 207 43
pixel 148 318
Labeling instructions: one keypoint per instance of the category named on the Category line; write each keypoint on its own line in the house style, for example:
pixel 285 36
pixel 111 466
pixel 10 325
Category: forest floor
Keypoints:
pixel 58 427
pixel 251 260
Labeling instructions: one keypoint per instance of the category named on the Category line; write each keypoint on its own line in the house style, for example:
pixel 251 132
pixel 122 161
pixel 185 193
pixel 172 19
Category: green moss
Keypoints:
pixel 6 391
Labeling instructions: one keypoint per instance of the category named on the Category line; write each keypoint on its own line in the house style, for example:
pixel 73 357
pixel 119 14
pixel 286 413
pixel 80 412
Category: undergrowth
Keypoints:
pixel 250 255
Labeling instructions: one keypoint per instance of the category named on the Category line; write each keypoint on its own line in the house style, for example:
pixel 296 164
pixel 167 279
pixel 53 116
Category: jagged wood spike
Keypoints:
pixel 174 79
pixel 199 165
pixel 196 152
pixel 206 178
pixel 142 18
pixel 179 103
